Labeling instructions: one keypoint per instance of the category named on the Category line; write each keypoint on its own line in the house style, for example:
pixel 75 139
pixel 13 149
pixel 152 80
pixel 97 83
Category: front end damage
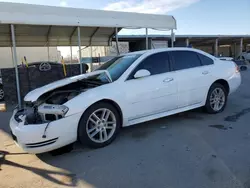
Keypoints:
pixel 43 125
pixel 50 106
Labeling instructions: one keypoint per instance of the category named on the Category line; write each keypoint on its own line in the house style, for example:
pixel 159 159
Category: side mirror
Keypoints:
pixel 142 73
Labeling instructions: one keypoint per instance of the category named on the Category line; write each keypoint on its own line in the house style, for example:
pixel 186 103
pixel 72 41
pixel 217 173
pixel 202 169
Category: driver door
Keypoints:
pixel 153 94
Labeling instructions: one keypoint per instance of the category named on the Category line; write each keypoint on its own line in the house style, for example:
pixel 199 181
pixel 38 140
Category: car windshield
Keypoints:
pixel 116 67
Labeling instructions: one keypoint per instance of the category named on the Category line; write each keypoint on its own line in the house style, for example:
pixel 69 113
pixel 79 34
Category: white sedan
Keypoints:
pixel 129 89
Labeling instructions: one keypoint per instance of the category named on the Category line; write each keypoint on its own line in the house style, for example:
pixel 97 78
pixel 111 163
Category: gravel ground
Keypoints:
pixel 187 150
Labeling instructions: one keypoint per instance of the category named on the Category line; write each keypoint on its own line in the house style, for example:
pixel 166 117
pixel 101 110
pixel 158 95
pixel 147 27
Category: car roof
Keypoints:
pixel 151 51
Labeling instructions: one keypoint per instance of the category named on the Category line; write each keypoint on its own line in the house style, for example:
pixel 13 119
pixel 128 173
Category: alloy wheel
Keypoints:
pixel 101 125
pixel 217 99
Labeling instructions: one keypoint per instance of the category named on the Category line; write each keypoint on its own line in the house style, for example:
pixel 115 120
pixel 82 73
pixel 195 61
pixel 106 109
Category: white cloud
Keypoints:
pixel 40 2
pixel 63 3
pixel 149 6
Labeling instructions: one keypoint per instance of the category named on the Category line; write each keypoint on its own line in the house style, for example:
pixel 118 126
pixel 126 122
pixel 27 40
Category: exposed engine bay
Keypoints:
pixel 49 106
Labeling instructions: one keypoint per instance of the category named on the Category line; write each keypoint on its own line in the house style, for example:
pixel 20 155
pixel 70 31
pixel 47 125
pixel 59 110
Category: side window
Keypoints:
pixel 185 60
pixel 155 64
pixel 206 60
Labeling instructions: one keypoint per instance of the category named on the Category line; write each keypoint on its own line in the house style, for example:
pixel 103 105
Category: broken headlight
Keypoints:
pixel 52 112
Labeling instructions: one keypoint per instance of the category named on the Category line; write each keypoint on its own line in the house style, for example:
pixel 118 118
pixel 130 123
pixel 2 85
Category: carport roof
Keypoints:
pixel 38 25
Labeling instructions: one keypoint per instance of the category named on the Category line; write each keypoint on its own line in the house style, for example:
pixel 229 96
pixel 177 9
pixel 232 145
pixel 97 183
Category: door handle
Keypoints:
pixel 205 72
pixel 168 80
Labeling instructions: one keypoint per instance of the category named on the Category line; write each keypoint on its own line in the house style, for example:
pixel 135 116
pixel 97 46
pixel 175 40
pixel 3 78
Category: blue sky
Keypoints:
pixel 214 17
pixel 193 16
pixel 220 17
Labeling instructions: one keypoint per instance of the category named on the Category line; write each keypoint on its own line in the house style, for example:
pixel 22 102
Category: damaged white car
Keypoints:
pixel 127 90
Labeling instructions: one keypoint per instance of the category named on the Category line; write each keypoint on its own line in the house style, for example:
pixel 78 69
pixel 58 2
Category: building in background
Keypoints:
pixel 32 54
pixel 218 45
pixel 230 45
pixel 104 51
pixel 101 54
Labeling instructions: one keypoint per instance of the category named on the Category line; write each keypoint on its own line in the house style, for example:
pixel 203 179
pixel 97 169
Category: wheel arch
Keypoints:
pixel 112 102
pixel 224 83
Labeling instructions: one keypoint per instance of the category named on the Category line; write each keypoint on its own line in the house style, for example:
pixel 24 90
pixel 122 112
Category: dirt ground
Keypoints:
pixel 187 150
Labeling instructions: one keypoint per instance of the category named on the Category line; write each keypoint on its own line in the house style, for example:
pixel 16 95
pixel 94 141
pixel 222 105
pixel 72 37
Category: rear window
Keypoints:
pixel 205 60
pixel 185 60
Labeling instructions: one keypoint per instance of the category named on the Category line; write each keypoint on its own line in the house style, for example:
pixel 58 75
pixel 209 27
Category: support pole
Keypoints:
pixel 91 54
pixel 235 52
pixel 216 47
pixel 187 42
pixel 48 51
pixel 245 47
pixel 146 38
pixel 117 44
pixel 11 49
pixel 230 51
pixel 48 33
pixel 71 58
pixel 79 45
pixel 241 47
pixel 172 38
pixel 15 63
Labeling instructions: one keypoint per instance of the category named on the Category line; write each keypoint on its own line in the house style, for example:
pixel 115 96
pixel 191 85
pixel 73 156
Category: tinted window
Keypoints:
pixel 185 60
pixel 206 60
pixel 155 64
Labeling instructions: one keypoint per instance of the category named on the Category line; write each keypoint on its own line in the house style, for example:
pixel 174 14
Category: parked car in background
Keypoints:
pixel 129 89
pixel 244 56
pixel 226 58
pixel 241 63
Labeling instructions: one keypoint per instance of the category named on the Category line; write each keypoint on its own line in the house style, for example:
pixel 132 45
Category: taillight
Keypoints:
pixel 237 68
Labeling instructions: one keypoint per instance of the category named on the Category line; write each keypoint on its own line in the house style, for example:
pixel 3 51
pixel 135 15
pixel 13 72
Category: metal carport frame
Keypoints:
pixel 38 25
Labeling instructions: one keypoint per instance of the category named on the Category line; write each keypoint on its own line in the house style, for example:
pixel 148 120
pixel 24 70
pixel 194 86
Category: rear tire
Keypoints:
pixel 216 99
pixel 99 125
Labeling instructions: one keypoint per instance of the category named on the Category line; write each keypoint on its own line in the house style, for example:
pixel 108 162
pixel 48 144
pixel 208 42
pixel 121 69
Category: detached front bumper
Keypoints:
pixel 58 133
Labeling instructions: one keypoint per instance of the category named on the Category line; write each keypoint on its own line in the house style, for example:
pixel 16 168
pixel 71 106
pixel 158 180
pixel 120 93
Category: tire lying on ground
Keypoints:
pixel 1 93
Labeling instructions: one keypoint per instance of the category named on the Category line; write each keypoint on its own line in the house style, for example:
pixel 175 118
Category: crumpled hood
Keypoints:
pixel 35 94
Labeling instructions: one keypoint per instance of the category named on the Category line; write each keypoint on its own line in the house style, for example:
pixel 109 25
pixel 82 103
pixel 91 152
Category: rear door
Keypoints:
pixel 194 77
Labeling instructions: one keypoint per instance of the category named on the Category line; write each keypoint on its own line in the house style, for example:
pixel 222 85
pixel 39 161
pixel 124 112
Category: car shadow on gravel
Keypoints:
pixel 46 174
pixel 78 160
pixel 138 131
pixel 80 155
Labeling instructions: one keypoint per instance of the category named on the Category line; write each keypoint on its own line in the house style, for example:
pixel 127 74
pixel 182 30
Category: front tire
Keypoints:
pixel 216 99
pixel 99 125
